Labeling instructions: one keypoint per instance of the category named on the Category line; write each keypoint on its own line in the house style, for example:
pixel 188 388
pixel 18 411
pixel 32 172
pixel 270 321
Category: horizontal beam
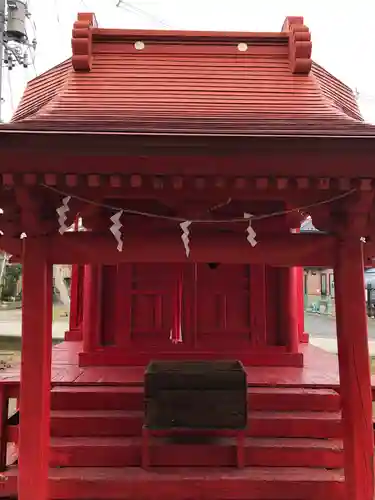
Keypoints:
pixel 286 250
pixel 320 254
pixel 58 152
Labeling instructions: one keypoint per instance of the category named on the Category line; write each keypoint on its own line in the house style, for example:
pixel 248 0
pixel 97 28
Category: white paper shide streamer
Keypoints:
pixel 186 236
pixel 251 234
pixel 116 229
pixel 61 211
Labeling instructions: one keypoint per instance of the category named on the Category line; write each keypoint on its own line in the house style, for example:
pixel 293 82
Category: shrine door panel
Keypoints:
pixel 223 305
pixel 153 295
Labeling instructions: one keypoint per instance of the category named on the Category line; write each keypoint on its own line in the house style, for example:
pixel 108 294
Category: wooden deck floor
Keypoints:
pixel 320 370
pixel 263 478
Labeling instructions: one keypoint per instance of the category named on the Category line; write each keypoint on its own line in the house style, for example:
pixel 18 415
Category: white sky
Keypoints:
pixel 342 32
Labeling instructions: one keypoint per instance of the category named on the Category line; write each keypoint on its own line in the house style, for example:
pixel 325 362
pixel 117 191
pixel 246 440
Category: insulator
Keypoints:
pixel 11 63
pixel 16 26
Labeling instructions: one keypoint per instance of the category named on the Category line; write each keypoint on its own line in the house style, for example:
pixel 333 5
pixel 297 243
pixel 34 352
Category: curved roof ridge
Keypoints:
pixel 42 90
pixel 337 92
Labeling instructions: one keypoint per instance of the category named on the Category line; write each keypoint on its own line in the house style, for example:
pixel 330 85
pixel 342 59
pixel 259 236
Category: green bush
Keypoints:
pixel 10 279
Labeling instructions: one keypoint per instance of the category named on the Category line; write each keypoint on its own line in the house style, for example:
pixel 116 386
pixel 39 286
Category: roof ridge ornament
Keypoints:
pixel 82 41
pixel 300 45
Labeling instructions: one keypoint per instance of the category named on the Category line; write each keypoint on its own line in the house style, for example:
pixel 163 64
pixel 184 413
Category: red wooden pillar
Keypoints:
pixel 92 307
pixel 4 409
pixel 123 298
pixel 258 305
pixel 79 303
pixel 354 367
pixel 74 285
pixel 303 336
pixel 301 319
pixel 75 326
pixel 74 332
pixel 289 305
pixel 34 432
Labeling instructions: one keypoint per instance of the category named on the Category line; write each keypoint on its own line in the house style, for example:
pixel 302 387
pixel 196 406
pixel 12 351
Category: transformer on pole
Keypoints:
pixel 15 45
pixel 2 28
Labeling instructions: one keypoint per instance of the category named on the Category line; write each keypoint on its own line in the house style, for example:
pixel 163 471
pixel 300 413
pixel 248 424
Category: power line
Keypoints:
pixel 57 12
pixel 366 97
pixel 363 95
pixel 137 10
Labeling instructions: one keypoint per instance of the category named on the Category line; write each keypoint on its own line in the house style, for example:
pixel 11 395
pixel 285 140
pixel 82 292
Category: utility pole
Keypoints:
pixel 15 48
pixel 2 30
pixel 15 45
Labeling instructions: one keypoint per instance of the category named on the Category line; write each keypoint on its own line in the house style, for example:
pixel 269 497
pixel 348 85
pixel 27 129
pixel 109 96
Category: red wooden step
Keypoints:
pixel 219 452
pixel 131 398
pixel 86 397
pixel 134 483
pixel 293 399
pixel 129 423
pixel 296 424
pixel 96 423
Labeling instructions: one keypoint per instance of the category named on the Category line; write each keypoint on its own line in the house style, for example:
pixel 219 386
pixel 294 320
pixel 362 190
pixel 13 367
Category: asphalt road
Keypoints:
pixel 10 325
pixel 319 325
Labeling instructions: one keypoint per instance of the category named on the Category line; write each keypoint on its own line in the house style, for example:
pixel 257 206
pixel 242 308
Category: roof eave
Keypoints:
pixel 251 135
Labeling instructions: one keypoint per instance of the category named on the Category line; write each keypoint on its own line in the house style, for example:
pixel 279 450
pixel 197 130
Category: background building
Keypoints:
pixel 319 292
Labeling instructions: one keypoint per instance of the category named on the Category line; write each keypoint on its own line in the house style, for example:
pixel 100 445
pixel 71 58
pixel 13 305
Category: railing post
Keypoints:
pixel 34 429
pixel 4 405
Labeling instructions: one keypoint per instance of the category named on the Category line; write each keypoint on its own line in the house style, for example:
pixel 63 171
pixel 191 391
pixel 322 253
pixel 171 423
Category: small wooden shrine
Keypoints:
pixel 129 314
pixel 191 158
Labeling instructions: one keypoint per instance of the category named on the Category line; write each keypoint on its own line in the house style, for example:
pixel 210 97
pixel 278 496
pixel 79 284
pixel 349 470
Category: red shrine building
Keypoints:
pixel 191 159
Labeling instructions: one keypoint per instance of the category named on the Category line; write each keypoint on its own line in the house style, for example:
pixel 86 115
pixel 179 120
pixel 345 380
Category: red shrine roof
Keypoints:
pixel 204 83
